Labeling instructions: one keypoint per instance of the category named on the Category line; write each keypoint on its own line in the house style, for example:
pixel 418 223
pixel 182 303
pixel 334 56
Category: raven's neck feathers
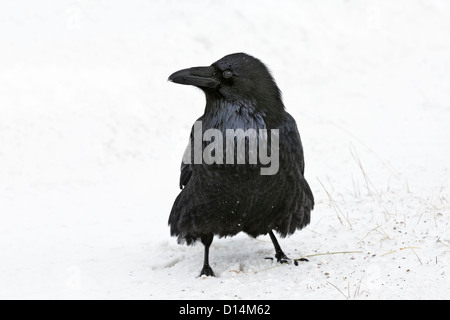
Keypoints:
pixel 225 114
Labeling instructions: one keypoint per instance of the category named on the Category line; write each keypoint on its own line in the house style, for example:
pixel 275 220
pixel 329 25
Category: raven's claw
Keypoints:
pixel 207 271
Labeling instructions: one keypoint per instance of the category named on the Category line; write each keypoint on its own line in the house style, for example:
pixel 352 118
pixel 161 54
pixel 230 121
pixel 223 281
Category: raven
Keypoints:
pixel 224 199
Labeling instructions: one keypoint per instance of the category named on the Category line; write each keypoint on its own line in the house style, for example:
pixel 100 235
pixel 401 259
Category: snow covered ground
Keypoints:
pixel 92 134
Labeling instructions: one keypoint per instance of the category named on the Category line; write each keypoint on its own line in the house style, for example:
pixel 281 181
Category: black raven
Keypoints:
pixel 223 198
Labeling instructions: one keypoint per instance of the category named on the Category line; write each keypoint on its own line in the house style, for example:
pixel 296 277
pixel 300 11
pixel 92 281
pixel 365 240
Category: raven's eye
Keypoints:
pixel 227 74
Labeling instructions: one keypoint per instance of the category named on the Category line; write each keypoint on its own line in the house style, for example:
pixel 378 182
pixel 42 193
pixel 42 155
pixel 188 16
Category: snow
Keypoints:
pixel 92 135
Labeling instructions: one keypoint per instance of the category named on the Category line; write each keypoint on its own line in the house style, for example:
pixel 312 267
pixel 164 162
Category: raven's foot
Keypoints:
pixel 207 271
pixel 282 258
pixel 279 254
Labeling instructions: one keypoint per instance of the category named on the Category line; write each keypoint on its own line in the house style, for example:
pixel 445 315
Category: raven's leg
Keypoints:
pixel 279 254
pixel 207 271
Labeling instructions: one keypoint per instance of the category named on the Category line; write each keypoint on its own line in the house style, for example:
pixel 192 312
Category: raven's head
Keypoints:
pixel 235 77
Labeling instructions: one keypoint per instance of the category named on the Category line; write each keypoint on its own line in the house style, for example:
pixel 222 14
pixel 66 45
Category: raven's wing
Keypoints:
pixel 291 144
pixel 186 173
pixel 186 166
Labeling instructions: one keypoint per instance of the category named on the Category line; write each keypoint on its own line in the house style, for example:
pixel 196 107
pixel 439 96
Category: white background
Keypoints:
pixel 92 134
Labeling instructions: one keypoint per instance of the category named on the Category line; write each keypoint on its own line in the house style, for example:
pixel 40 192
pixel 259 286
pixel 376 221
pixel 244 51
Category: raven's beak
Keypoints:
pixel 202 77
